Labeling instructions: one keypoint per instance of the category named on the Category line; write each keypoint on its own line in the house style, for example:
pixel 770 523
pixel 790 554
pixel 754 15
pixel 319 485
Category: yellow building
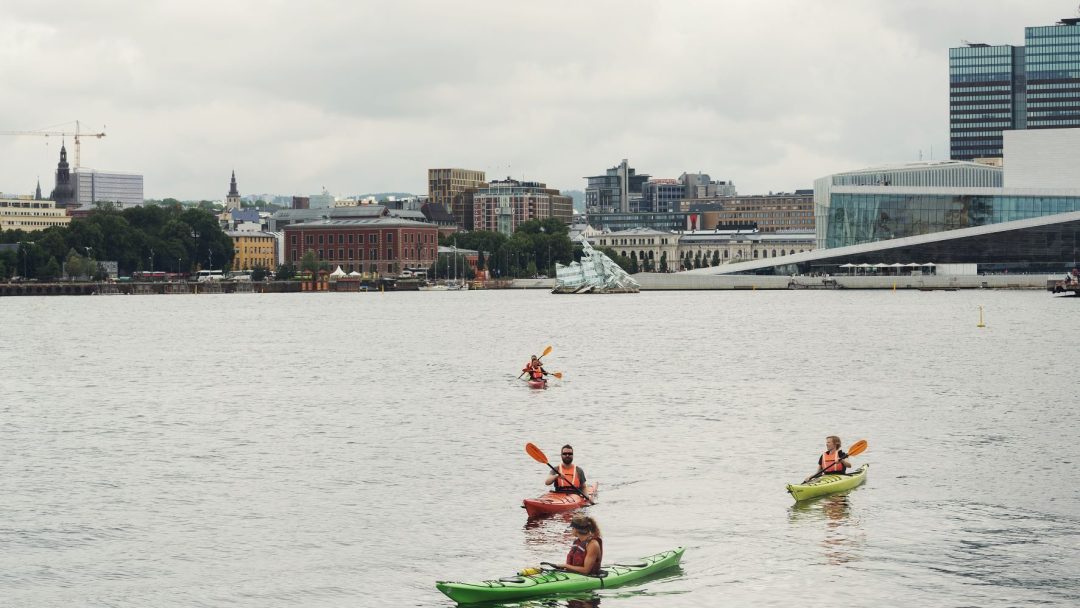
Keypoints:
pixel 253 249
pixel 26 213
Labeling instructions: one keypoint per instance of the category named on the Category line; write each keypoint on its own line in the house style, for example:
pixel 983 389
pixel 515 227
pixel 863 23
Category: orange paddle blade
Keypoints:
pixel 857 448
pixel 536 453
pixel 547 351
pixel 558 375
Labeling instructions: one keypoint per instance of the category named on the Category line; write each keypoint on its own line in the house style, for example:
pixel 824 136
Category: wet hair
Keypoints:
pixel 834 438
pixel 585 523
pixel 566 446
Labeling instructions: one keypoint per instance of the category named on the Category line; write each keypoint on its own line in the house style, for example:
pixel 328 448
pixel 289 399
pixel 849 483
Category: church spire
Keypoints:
pixel 64 192
pixel 232 201
pixel 37 193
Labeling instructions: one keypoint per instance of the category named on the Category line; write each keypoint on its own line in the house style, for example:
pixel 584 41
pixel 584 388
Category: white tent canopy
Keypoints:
pixel 337 274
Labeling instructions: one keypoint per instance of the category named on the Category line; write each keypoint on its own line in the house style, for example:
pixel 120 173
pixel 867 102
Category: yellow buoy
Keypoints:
pixel 981 324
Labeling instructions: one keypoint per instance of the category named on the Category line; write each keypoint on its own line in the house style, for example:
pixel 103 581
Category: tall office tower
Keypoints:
pixel 1003 87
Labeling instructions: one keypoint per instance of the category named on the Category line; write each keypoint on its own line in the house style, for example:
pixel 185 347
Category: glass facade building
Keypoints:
pixel 1001 87
pixel 1053 75
pixel 853 217
pixel 618 190
pixel 615 222
pixel 123 190
pixel 984 91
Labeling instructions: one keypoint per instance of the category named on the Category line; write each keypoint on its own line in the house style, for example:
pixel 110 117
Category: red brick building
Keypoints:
pixel 383 245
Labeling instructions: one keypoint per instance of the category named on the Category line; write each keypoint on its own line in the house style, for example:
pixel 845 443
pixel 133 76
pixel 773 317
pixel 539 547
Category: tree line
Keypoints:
pixel 149 237
pixel 534 248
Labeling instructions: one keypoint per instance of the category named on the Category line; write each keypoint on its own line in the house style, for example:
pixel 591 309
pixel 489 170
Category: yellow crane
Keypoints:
pixel 77 135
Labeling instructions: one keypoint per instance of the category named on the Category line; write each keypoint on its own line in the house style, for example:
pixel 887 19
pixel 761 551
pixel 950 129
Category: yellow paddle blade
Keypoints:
pixel 547 351
pixel 857 448
pixel 536 453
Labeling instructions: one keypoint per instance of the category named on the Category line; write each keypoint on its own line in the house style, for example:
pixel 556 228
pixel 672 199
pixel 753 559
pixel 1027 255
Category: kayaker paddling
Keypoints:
pixel 569 475
pixel 834 460
pixel 587 552
pixel 535 369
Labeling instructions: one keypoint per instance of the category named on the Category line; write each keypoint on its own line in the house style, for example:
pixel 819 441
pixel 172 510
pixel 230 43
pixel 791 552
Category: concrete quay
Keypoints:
pixel 677 281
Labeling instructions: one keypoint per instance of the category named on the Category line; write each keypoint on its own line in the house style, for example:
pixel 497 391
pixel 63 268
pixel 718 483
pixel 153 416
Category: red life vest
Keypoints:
pixel 570 474
pixel 576 556
pixel 536 373
pixel 831 463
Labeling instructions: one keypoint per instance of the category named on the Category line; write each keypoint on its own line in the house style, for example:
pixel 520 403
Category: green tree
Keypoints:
pixel 51 270
pixel 258 273
pixel 716 257
pixel 633 263
pixel 663 262
pixel 309 263
pixel 285 272
pixel 697 259
pixel 480 261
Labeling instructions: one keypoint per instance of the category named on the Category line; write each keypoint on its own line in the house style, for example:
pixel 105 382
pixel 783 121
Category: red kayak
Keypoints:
pixel 557 502
pixel 537 383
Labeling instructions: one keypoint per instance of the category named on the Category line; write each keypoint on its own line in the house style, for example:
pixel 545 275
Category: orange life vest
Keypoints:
pixel 831 463
pixel 536 373
pixel 570 474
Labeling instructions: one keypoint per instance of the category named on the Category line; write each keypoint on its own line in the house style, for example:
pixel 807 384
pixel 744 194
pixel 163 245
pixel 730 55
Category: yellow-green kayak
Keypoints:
pixel 828 484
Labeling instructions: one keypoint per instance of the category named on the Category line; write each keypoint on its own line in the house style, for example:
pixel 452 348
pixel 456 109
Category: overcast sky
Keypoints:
pixel 365 96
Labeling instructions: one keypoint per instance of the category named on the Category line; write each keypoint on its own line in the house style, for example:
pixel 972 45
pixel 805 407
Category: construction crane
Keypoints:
pixel 77 134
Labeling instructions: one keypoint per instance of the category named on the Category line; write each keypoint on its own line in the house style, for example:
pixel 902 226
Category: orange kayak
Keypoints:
pixel 557 502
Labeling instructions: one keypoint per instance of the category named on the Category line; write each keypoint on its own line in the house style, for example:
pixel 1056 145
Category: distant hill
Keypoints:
pixel 381 196
pixel 579 199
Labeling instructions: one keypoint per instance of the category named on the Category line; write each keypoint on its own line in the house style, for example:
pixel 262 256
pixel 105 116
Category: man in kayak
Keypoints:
pixel 587 552
pixel 570 472
pixel 535 370
pixel 834 460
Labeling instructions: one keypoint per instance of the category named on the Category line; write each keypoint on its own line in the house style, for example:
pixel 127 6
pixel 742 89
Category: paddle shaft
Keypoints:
pixel 822 472
pixel 563 477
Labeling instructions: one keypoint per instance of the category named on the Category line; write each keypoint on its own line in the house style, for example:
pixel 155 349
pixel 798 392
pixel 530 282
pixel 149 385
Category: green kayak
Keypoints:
pixel 828 484
pixel 554 581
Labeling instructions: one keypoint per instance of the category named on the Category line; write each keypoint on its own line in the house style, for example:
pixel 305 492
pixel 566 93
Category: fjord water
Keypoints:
pixel 351 449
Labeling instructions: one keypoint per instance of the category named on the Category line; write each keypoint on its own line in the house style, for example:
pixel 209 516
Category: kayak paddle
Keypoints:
pixel 547 351
pixel 556 374
pixel 856 448
pixel 540 457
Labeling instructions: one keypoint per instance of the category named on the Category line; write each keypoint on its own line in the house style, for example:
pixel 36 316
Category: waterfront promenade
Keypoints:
pixel 649 282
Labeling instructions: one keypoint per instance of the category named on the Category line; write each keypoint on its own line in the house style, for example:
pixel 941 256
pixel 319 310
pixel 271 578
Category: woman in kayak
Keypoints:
pixel 588 549
pixel 834 460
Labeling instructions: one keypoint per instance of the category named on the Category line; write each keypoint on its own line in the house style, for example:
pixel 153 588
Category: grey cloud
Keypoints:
pixel 362 96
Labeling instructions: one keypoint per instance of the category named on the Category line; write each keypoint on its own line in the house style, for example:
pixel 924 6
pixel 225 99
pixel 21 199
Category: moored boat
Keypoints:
pixel 828 484
pixel 556 581
pixel 557 502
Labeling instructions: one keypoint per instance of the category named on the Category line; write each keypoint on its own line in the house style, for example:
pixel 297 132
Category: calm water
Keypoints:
pixel 351 449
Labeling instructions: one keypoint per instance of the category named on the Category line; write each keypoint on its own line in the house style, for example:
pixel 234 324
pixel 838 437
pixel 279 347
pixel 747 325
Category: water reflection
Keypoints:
pixel 582 600
pixel 552 530
pixel 843 538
